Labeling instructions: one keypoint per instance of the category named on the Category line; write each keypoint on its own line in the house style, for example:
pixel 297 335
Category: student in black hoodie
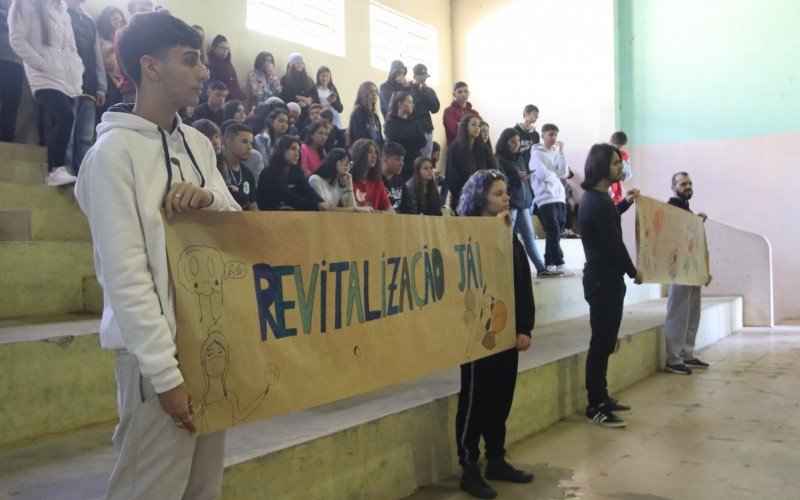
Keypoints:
pixel 487 385
pixel 426 103
pixel 404 130
pixel 395 82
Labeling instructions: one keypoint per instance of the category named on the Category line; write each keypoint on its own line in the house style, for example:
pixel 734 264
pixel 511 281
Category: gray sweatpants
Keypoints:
pixel 680 327
pixel 156 458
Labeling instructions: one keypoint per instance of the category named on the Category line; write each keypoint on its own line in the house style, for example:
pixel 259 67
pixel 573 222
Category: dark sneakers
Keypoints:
pixel 545 273
pixel 679 369
pixel 473 483
pixel 601 415
pixel 695 363
pixel 615 406
pixel 500 470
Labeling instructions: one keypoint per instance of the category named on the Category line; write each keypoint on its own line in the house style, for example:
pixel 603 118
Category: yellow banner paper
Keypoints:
pixel 671 244
pixel 283 311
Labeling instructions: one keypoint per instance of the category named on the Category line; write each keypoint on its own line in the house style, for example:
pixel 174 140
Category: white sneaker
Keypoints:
pixel 564 271
pixel 553 269
pixel 60 177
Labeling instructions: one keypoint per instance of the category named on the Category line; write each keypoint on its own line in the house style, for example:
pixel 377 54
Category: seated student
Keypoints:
pixel 212 109
pixel 127 177
pixel 210 130
pixel 466 155
pixel 391 165
pixel 619 140
pixel 313 113
pixel 233 110
pixel 513 166
pixel 262 80
pixel 294 116
pixel 282 185
pixel 276 126
pixel 254 162
pixel 421 196
pixel 221 68
pixel 328 95
pixel 364 121
pixel 395 82
pixel 334 183
pixel 548 166
pixel 367 182
pixel 336 137
pixel 240 181
pixel 403 129
pixel 298 87
pixel 312 151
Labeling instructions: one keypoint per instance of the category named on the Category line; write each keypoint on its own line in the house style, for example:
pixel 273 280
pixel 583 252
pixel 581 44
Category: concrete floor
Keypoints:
pixel 730 432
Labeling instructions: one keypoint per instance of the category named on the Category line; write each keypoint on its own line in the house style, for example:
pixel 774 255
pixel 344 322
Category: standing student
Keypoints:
pixel 11 78
pixel 298 87
pixel 212 109
pixel 466 155
pixel 240 181
pixel 683 306
pixel 395 82
pixel 528 136
pixel 364 121
pixel 40 31
pixel 421 196
pixel 221 68
pixel 313 149
pixel 328 94
pixel 367 183
pixel 93 87
pixel 262 80
pixel 404 130
pixel 282 184
pixel 513 166
pixel 485 135
pixel 458 109
pixel 548 165
pixel 426 103
pixel 145 160
pixel 487 385
pixel 392 165
pixel 334 183
pixel 126 86
pixel 619 139
pixel 110 20
pixel 607 260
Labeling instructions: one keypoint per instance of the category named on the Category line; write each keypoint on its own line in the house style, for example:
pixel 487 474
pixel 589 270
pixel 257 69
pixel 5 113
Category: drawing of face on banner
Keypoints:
pixel 202 272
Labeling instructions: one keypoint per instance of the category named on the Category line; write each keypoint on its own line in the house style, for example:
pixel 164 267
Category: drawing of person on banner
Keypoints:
pixel 219 404
pixel 201 271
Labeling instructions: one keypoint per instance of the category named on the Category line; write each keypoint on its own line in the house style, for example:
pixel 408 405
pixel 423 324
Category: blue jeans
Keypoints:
pixel 85 111
pixel 523 225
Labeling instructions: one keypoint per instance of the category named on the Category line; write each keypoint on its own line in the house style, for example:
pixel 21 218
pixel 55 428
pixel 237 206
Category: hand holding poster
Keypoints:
pixel 278 312
pixel 671 244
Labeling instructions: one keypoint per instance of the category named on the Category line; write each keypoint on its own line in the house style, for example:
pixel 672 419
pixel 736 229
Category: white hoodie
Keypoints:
pixel 548 167
pixel 120 188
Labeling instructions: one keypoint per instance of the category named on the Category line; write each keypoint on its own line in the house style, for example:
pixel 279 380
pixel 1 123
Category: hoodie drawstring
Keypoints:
pixel 169 161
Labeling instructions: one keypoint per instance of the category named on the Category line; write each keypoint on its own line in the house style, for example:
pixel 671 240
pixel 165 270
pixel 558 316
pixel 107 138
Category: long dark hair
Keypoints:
pixel 273 115
pixel 308 134
pixel 363 97
pixel 467 154
pixel 427 197
pixel 216 41
pixel 328 169
pixel 501 149
pixel 475 192
pixel 229 109
pixel 298 79
pixel 598 164
pixel 276 159
pixel 397 98
pixel 261 59
pixel 104 27
pixel 331 86
pixel 361 169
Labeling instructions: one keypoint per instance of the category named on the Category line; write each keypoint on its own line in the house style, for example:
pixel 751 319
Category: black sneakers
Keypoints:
pixel 473 483
pixel 615 406
pixel 679 369
pixel 500 470
pixel 695 363
pixel 601 415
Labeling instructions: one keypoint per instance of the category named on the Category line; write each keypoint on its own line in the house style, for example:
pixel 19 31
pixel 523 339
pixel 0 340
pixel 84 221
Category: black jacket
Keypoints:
pixel 459 169
pixel 390 86
pixel 360 124
pixel 407 133
pixel 296 192
pixel 425 104
pixel 524 305
pixel 519 190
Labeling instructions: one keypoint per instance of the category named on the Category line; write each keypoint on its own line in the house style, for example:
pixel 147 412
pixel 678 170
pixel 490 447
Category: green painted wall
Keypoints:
pixel 690 70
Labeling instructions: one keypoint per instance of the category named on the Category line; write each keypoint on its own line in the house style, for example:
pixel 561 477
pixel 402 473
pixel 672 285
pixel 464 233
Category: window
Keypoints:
pixel 394 35
pixel 318 24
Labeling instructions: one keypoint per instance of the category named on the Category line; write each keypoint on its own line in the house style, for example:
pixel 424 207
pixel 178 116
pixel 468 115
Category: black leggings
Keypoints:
pixel 58 110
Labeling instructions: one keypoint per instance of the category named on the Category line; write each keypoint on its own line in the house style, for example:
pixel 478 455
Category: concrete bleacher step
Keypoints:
pixel 383 444
pixel 14 196
pixel 23 172
pixel 44 225
pixel 22 152
pixel 43 278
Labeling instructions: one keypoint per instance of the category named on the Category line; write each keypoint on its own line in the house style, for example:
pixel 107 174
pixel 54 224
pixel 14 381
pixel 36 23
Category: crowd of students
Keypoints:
pixel 279 144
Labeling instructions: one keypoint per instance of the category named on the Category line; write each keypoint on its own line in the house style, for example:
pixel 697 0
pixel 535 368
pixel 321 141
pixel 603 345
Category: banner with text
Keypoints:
pixel 278 312
pixel 671 244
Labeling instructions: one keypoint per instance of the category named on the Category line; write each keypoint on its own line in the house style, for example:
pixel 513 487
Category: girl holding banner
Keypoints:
pixel 487 385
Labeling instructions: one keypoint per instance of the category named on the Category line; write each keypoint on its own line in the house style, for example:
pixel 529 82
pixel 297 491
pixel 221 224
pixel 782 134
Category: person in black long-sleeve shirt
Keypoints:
pixel 466 155
pixel 282 184
pixel 364 121
pixel 607 260
pixel 487 385
pixel 404 130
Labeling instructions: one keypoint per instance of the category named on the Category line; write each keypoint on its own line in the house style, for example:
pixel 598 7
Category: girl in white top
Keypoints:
pixel 40 32
pixel 329 95
pixel 333 182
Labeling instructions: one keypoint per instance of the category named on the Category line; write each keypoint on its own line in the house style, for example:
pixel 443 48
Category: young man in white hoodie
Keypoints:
pixel 548 166
pixel 143 160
